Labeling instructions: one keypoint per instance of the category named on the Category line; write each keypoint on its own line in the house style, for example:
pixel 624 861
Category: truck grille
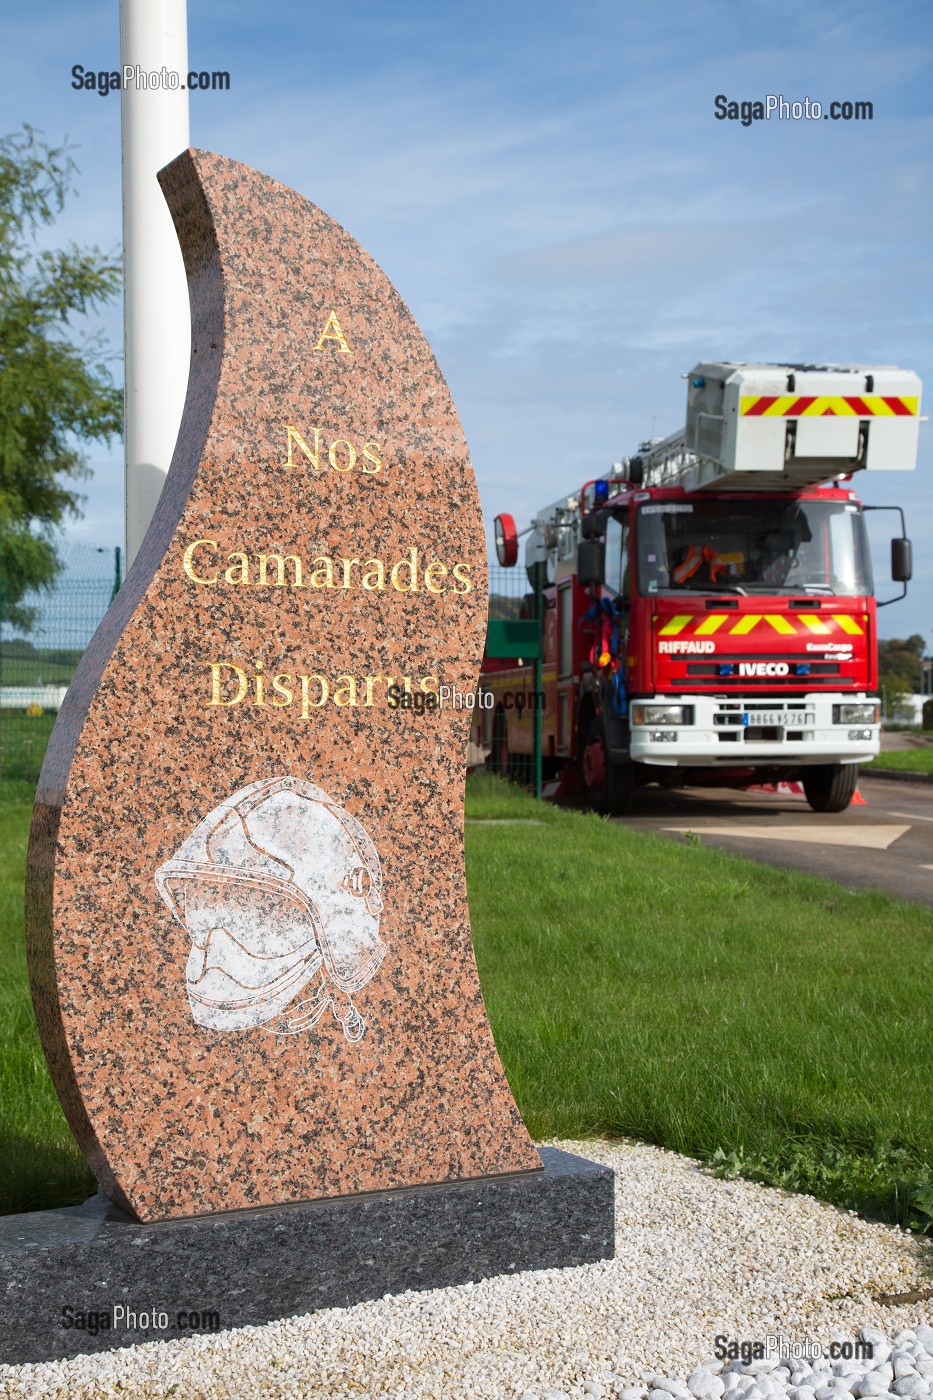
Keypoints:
pixel 806 671
pixel 816 672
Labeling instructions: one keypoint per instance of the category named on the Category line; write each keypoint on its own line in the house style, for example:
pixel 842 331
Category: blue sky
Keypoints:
pixel 550 191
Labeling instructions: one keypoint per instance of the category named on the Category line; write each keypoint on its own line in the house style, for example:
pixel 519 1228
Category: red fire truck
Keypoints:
pixel 707 610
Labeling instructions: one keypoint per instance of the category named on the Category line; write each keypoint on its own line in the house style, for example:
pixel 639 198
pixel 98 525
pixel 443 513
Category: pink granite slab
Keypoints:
pixel 247 922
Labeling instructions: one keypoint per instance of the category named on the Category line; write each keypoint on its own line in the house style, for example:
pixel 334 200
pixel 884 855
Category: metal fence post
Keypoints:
pixel 539 679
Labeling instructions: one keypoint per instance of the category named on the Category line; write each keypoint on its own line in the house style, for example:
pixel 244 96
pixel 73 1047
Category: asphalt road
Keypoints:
pixel 886 844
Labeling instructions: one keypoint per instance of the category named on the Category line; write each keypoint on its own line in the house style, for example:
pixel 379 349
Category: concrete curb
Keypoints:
pixel 894 775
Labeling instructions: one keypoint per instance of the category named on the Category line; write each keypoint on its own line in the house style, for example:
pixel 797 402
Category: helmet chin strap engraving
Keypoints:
pixel 277 885
pixel 307 1013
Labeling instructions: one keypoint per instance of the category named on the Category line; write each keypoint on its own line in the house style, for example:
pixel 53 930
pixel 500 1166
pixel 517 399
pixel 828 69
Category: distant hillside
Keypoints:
pixel 504 609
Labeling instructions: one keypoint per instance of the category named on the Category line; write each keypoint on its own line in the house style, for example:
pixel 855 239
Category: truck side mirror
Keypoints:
pixel 591 564
pixel 902 566
pixel 593 525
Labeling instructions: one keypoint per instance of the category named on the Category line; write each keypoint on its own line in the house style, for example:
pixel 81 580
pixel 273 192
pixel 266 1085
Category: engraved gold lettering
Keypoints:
pixel 323 575
pixel 280 560
pixel 342 454
pixel 374 569
pixel 370 682
pixel 461 573
pixel 275 570
pixel 411 564
pixel 238 572
pixel 372 457
pixel 280 687
pixel 345 690
pixel 332 331
pixel 189 561
pixel 347 566
pixel 334 457
pixel 306 701
pixel 242 684
pixel 231 684
pixel 438 569
pixel 294 436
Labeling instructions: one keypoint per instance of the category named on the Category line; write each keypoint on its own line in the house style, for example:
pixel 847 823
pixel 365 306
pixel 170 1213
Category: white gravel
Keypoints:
pixel 696 1259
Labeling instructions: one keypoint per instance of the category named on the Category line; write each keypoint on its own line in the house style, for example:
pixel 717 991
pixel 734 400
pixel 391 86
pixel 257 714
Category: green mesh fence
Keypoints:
pixel 38 658
pixel 506 735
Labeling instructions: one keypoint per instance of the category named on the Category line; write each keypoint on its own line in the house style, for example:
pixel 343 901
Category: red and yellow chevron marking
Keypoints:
pixel 828 406
pixel 800 625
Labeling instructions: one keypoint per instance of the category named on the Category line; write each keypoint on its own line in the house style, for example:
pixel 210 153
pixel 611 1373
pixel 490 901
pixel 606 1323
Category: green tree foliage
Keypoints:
pixel 54 394
pixel 899 664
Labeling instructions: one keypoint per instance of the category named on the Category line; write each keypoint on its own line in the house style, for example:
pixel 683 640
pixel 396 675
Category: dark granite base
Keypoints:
pixel 251 1267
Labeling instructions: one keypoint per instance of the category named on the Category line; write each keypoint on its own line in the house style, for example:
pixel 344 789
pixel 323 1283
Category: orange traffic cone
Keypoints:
pixel 858 800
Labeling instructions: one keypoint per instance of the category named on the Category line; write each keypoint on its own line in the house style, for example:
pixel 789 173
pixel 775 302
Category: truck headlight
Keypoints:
pixel 662 714
pixel 857 714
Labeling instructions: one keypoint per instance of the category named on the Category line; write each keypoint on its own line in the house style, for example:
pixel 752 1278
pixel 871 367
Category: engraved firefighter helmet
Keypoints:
pixel 279 886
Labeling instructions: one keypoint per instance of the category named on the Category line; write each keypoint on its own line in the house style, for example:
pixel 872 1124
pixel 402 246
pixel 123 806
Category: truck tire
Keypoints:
pixel 831 786
pixel 610 785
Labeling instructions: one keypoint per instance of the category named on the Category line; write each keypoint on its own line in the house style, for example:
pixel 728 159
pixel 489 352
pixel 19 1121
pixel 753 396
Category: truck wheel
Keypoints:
pixel 831 786
pixel 610 786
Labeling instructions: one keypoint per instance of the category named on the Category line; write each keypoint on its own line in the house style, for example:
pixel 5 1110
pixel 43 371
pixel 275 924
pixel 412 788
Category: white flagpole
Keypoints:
pixel 153 43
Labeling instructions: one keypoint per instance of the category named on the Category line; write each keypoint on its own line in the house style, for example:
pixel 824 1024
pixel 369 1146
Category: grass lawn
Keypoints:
pixel 918 760
pixel 40 1162
pixel 771 1023
pixel 43 667
pixel 23 741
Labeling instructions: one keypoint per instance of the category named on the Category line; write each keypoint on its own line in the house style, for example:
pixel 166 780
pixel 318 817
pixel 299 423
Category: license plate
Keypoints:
pixel 778 719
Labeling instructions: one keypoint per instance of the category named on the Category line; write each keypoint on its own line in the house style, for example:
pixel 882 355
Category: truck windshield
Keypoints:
pixel 718 545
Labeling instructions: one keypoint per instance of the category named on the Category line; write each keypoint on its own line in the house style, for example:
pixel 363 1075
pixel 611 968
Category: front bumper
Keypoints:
pixel 749 730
